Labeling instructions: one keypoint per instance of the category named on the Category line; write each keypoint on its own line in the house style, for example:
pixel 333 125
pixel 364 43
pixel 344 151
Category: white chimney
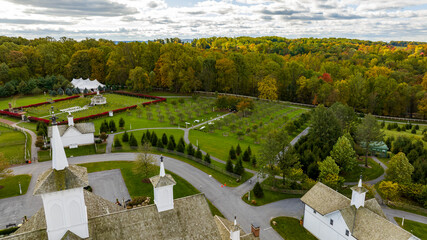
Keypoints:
pixel 358 195
pixel 235 231
pixel 163 189
pixel 70 119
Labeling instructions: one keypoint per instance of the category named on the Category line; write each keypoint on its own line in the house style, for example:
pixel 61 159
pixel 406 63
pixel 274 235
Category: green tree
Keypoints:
pixel 181 145
pixel 325 126
pixel 207 158
pixel 198 154
pixel 232 153
pixel 190 149
pixel 144 162
pixel 229 166
pixel 153 139
pixel 399 169
pixel 121 123
pixel 125 137
pixel 159 143
pixel 329 171
pixel 112 126
pixel 258 192
pixel 367 132
pixel 238 168
pixel 267 88
pixel 165 139
pixel 246 156
pixel 132 141
pixel 117 143
pixel 238 150
pixel 344 155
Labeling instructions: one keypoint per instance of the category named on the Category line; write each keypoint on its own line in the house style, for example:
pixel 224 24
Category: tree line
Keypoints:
pixel 372 77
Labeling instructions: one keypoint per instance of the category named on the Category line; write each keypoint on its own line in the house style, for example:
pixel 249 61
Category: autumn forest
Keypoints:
pixel 372 77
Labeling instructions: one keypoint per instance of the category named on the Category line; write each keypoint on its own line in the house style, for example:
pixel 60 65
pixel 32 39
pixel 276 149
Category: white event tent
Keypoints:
pixel 86 83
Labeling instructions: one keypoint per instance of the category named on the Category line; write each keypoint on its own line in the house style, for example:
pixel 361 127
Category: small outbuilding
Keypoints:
pixel 74 135
pixel 86 83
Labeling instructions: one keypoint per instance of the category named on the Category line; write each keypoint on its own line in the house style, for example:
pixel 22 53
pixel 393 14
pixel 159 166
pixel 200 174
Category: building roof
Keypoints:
pixel 189 219
pixel 324 199
pixel 86 83
pixel 224 227
pixel 53 180
pixel 365 223
pixel 83 128
pixel 159 181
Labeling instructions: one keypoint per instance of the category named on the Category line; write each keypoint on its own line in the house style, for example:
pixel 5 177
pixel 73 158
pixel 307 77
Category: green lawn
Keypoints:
pixel 29 125
pixel 416 228
pixel 407 133
pixel 19 100
pixel 373 171
pixel 269 197
pixel 12 144
pixel 44 155
pixel 114 101
pixel 291 229
pixel 157 115
pixel 9 187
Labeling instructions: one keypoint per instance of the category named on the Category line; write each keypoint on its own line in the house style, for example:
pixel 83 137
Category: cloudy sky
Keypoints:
pixel 150 19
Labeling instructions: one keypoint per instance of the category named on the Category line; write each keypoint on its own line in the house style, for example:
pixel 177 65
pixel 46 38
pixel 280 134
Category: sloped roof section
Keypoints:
pixel 373 205
pixel 324 199
pixel 96 206
pixel 224 226
pixel 159 181
pixel 70 236
pixel 53 180
pixel 371 226
pixel 83 128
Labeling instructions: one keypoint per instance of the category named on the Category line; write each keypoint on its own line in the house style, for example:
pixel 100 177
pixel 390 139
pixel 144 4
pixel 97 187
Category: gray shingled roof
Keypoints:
pixel 53 180
pixel 324 199
pixel 87 127
pixel 158 181
pixel 189 219
pixel 365 223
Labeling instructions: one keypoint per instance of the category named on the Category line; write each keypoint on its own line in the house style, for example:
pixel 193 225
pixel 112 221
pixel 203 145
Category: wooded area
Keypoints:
pixel 375 77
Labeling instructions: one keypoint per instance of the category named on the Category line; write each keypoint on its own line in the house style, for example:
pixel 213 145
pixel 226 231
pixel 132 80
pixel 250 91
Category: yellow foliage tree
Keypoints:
pixel 268 88
pixel 377 71
pixel 389 189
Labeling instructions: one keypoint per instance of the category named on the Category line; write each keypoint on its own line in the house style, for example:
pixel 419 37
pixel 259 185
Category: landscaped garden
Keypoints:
pixel 21 100
pixel 12 145
pixel 268 197
pixel 373 171
pixel 291 229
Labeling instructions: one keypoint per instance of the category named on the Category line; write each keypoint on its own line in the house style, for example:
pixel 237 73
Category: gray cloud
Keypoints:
pixel 267 18
pixel 343 16
pixel 278 12
pixel 194 12
pixel 32 21
pixel 306 17
pixel 152 4
pixel 77 7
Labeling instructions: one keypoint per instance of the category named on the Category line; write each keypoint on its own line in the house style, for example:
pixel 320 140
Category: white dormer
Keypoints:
pixel 358 195
pixel 235 231
pixel 163 189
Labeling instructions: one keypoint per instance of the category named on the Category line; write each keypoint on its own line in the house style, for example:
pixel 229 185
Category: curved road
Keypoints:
pixel 34 149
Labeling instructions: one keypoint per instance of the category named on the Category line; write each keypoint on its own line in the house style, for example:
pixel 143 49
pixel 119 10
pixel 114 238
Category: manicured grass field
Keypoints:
pixel 157 115
pixel 407 133
pixel 12 144
pixel 291 229
pixel 373 171
pixel 416 228
pixel 80 151
pixel 11 185
pixel 19 100
pixel 269 197
pixel 114 101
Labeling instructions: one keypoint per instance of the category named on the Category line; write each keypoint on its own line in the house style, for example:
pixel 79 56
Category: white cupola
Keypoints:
pixel 70 119
pixel 163 189
pixel 235 231
pixel 358 195
pixel 61 189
